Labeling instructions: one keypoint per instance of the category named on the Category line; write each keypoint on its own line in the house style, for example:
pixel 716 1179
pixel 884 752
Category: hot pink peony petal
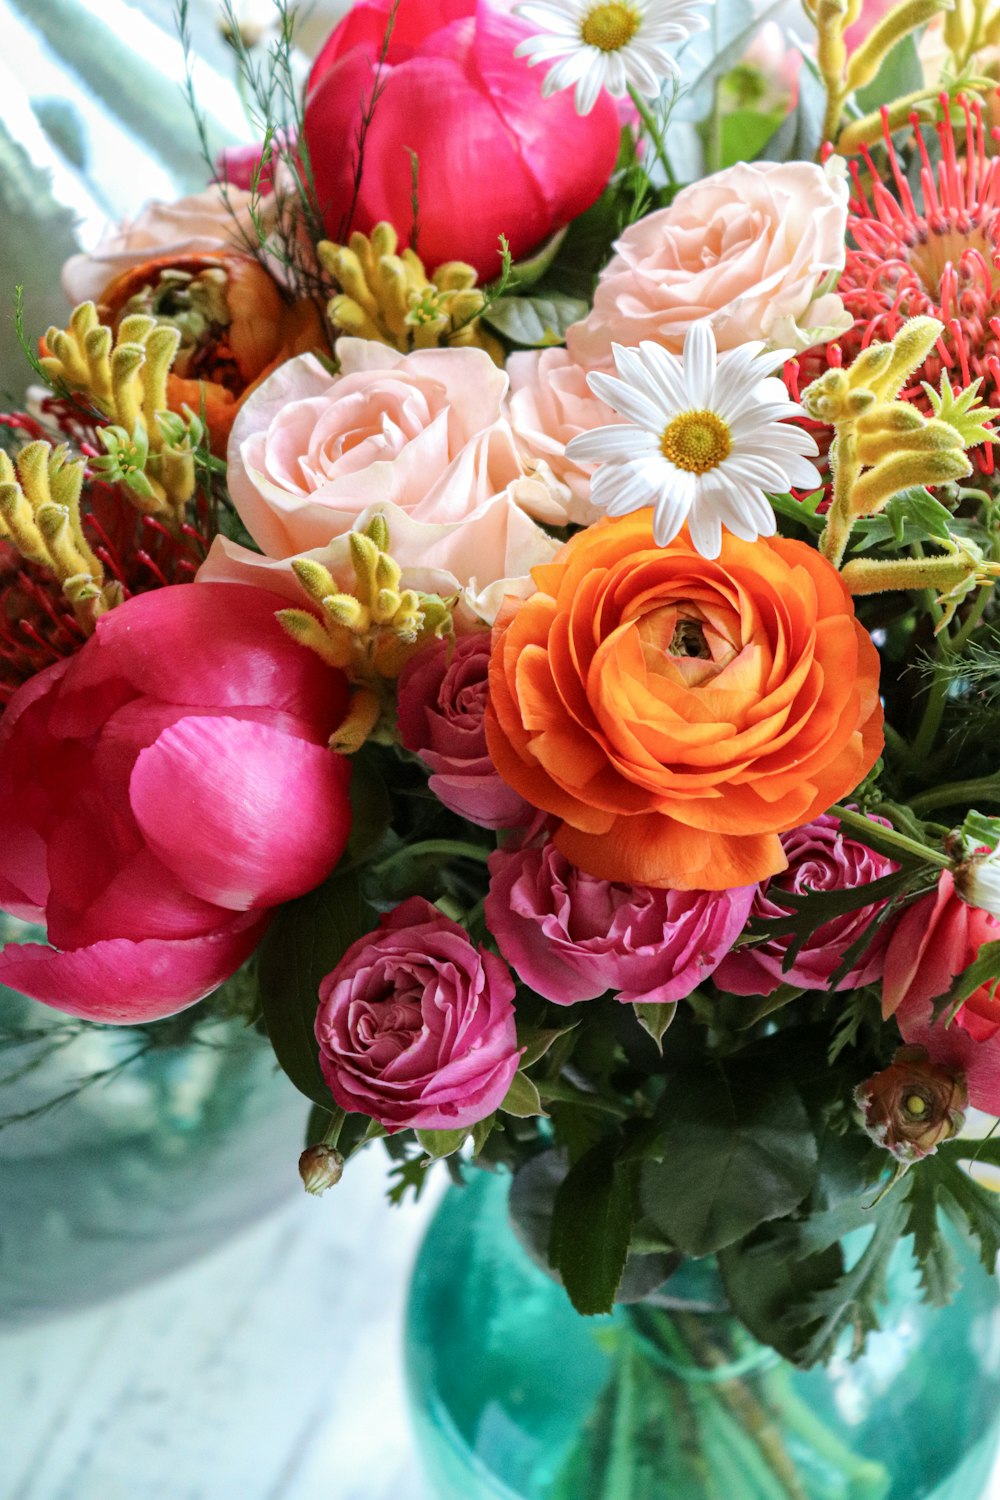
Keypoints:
pixel 125 983
pixel 244 815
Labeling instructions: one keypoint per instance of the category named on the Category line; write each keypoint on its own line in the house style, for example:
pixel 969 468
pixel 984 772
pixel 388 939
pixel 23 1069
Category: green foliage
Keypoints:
pixel 536 322
pixel 734 1148
pixel 591 1227
pixel 306 939
pixel 522 1098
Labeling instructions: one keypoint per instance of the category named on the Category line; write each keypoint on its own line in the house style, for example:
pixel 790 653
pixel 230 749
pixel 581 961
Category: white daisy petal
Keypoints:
pixel 663 375
pixel 699 363
pixel 588 89
pixel 606 444
pixel 705 528
pixel 635 405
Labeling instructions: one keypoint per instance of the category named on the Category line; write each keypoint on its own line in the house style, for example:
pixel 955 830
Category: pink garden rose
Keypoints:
pixel 749 249
pixel 550 403
pixel 311 452
pixel 416 1024
pixel 935 939
pixel 442 699
pixel 573 937
pixel 159 792
pixel 820 858
pixel 495 157
pixel 201 224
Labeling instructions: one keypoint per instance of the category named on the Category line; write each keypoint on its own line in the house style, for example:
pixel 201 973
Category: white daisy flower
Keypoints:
pixel 708 440
pixel 601 46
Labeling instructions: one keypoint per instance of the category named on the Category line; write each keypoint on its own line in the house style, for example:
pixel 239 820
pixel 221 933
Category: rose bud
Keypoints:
pixel 320 1167
pixel 913 1105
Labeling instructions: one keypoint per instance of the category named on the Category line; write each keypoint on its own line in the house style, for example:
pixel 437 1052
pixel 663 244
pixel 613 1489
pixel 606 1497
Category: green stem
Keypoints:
pixel 455 848
pixel 983 788
pixel 654 132
pixel 890 836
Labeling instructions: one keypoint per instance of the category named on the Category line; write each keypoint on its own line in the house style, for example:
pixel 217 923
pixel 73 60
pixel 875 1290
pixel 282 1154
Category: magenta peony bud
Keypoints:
pixel 571 936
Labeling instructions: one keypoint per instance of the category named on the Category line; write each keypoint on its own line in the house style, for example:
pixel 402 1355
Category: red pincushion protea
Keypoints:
pixel 939 257
pixel 37 623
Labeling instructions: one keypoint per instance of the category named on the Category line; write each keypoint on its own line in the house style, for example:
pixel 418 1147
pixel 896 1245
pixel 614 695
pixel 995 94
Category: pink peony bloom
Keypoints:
pixel 820 858
pixel 935 939
pixel 495 157
pixel 311 452
pixel 749 248
pixel 159 792
pixel 416 1024
pixel 551 403
pixel 442 699
pixel 573 937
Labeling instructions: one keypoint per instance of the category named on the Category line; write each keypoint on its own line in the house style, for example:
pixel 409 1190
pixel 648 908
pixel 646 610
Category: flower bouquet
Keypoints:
pixel 507 572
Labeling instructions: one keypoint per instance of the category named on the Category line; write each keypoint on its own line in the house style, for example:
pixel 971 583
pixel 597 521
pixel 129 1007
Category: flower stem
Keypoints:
pixel 654 132
pixel 456 848
pixel 890 836
pixel 983 788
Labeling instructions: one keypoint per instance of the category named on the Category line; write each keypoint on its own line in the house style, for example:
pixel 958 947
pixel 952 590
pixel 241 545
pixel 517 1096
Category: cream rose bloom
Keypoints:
pixel 199 225
pixel 550 403
pixel 311 452
pixel 752 249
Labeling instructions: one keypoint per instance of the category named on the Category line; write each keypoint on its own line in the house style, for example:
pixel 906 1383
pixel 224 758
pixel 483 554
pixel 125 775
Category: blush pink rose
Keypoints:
pixel 442 699
pixel 416 1024
pixel 201 224
pixel 550 403
pixel 495 157
pixel 573 937
pixel 749 249
pixel 160 791
pixel 820 858
pixel 935 939
pixel 311 452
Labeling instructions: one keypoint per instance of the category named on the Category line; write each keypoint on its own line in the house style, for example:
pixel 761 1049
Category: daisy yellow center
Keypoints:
pixel 697 441
pixel 610 27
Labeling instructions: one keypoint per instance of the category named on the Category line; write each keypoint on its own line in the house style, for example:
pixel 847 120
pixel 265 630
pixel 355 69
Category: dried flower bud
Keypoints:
pixel 913 1105
pixel 320 1167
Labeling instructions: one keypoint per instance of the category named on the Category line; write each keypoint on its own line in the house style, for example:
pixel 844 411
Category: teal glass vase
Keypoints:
pixel 516 1397
pixel 126 1153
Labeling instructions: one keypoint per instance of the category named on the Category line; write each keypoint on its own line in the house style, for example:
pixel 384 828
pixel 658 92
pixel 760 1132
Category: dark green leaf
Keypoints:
pixel 984 969
pixel 737 1149
pixel 522 1098
pixel 768 1288
pixel 536 322
pixel 371 809
pixel 306 939
pixel 591 1225
pixel 535 1043
pixel 655 1020
pixel 481 1133
pixel 937 1261
pixel 527 272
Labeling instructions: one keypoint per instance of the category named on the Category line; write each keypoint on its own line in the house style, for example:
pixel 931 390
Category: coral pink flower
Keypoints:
pixel 935 939
pixel 820 858
pixel 416 1024
pixel 159 792
pixel 930 251
pixel 571 936
pixel 442 699
pixel 494 156
pixel 749 249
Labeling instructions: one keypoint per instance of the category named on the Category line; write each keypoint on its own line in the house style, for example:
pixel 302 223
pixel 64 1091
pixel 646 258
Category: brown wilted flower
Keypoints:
pixel 913 1105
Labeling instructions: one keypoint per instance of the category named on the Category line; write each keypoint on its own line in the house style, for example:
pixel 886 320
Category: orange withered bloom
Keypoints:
pixel 235 326
pixel 678 714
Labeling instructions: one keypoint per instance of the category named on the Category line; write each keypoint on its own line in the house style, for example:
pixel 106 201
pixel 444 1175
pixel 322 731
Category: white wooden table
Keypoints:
pixel 271 1370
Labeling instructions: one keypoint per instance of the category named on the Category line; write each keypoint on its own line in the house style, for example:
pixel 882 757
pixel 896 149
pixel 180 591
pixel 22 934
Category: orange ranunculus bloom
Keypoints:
pixel 677 714
pixel 235 327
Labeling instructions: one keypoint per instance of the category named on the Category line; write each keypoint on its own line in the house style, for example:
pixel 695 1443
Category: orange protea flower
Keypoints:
pixel 234 323
pixel 677 714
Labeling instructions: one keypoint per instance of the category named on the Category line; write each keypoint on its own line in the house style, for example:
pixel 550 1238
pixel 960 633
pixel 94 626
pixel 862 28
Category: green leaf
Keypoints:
pixel 527 272
pixel 768 1289
pixel 306 940
pixel 535 1042
pixel 737 1149
pixel 984 969
pixel 481 1133
pixel 939 1273
pixel 901 73
pixel 536 322
pixel 745 133
pixel 801 135
pixel 441 1143
pixel 320 1119
pixel 973 1208
pixel 371 809
pixel 522 1098
pixel 803 512
pixel 591 1225
pixel 655 1021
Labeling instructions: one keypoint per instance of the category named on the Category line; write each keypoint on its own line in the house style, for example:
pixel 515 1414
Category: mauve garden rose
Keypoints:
pixel 820 858
pixel 935 939
pixel 416 1024
pixel 571 936
pixel 495 157
pixel 160 791
pixel 442 699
